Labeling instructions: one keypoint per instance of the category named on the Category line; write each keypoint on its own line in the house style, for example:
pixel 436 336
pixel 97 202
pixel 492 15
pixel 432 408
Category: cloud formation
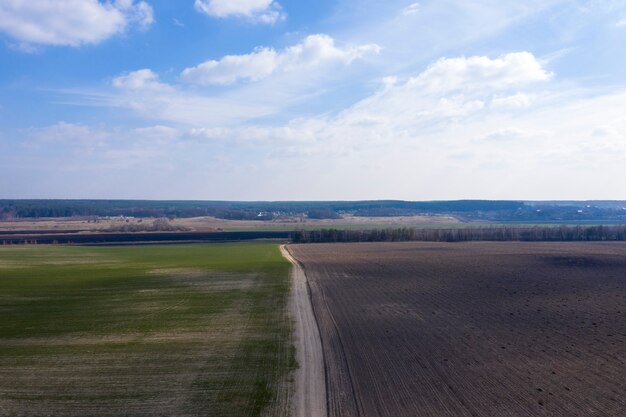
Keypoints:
pixel 392 126
pixel 406 111
pixel 314 50
pixel 515 101
pixel 143 79
pixel 411 9
pixel 261 11
pixel 70 133
pixel 70 22
pixel 449 74
pixel 143 92
pixel 478 84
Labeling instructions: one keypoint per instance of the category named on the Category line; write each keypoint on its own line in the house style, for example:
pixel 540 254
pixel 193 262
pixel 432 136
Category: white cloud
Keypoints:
pixel 498 123
pixel 575 147
pixel 88 149
pixel 448 74
pixel 140 13
pixel 143 79
pixel 621 23
pixel 143 92
pixel 158 132
pixel 607 131
pixel 404 104
pixel 426 102
pixel 526 155
pixel 262 11
pixel 260 135
pixel 400 111
pixel 510 133
pixel 411 9
pixel 70 22
pixel 312 51
pixel 254 66
pixel 75 137
pixel 77 134
pixel 515 101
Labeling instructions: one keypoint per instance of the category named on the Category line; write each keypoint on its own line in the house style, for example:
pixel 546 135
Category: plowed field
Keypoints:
pixel 471 329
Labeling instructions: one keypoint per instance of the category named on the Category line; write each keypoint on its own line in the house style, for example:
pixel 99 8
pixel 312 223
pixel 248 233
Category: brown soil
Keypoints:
pixel 471 329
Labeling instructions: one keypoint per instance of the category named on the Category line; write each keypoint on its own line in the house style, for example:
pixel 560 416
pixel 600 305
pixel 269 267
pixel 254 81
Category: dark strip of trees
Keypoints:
pixel 140 238
pixel 537 233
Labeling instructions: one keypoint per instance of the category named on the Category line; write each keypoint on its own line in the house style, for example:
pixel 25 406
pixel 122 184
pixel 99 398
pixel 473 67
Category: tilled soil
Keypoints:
pixel 471 329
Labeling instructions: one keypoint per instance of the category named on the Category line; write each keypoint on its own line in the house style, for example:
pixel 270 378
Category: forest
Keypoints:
pixel 529 234
pixel 466 210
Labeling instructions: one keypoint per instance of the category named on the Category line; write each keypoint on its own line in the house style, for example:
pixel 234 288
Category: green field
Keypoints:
pixel 145 331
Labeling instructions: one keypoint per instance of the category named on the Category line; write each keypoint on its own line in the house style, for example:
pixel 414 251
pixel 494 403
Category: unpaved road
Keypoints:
pixel 310 392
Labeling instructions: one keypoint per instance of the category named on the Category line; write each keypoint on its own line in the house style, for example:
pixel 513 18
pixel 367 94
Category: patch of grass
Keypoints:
pixel 339 226
pixel 408 224
pixel 144 330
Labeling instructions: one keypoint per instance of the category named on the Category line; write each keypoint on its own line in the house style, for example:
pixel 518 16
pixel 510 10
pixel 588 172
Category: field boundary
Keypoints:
pixel 138 237
pixel 484 234
pixel 309 399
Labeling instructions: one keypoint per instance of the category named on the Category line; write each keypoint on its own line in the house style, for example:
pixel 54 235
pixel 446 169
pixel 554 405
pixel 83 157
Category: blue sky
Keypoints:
pixel 292 100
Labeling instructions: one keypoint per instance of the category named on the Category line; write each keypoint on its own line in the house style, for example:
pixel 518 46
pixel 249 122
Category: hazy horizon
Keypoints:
pixel 280 100
pixel 309 201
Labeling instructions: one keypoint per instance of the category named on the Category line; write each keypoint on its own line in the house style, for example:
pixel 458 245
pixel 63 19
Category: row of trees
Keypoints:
pixel 537 233
pixel 107 209
pixel 158 225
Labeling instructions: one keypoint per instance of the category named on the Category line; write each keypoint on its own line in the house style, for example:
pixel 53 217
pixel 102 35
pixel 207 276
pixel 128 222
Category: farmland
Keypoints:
pixel 145 331
pixel 212 224
pixel 471 329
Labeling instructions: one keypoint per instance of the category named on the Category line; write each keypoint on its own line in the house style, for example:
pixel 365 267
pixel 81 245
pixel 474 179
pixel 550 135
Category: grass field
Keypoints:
pixel 144 331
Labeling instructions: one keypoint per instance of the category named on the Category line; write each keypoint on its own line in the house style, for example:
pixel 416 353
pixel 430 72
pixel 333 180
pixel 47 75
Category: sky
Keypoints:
pixel 324 100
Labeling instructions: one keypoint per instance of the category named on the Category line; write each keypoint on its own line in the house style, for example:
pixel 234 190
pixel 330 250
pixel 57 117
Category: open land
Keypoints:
pixel 145 331
pixel 213 224
pixel 471 329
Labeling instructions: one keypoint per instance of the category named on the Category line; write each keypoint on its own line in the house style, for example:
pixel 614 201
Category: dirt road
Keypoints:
pixel 310 393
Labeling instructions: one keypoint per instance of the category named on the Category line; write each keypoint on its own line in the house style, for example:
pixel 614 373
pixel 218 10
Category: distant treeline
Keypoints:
pixel 241 210
pixel 468 210
pixel 11 209
pixel 158 225
pixel 557 234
